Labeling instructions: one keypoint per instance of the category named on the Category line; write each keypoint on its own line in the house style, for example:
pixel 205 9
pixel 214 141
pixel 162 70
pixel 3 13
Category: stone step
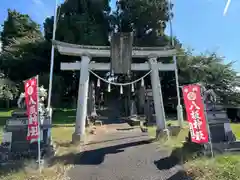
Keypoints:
pixel 224 147
pixel 234 145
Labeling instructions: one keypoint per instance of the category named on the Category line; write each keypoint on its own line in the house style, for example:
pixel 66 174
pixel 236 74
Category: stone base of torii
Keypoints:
pixel 86 53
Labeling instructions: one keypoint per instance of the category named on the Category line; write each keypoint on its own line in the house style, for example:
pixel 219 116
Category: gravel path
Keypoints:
pixel 124 154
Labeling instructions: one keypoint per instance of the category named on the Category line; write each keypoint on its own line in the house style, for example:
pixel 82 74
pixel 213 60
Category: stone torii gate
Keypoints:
pixel 87 52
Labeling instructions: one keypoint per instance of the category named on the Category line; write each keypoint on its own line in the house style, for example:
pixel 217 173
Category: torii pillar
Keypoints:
pixel 157 95
pixel 78 135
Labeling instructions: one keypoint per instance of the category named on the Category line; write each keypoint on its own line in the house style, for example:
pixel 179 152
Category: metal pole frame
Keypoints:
pixel 51 70
pixel 179 106
pixel 39 128
pixel 52 56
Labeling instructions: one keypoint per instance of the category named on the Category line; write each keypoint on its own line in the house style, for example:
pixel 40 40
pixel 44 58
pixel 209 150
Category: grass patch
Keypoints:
pixel 173 142
pixel 5 112
pixel 64 116
pixel 236 129
pixel 4 115
pixel 221 167
pixel 60 116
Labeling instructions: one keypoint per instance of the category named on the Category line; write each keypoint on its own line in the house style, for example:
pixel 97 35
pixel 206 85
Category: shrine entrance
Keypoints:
pixel 120 53
pixel 116 101
pixel 109 104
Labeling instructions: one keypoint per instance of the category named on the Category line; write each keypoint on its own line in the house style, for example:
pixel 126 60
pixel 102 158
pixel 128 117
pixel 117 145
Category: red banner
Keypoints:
pixel 195 113
pixel 31 100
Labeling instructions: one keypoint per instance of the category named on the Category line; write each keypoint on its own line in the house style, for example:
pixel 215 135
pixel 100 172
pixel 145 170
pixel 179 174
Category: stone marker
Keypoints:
pixel 222 137
pixel 15 134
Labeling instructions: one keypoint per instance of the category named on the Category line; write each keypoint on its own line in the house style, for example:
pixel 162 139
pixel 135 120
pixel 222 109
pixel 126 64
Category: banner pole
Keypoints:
pixel 39 130
pixel 52 55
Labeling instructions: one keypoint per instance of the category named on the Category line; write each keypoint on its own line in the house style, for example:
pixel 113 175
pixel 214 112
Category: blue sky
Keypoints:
pixel 198 24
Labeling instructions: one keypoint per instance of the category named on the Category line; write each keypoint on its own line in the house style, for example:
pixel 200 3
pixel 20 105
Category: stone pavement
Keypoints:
pixel 123 153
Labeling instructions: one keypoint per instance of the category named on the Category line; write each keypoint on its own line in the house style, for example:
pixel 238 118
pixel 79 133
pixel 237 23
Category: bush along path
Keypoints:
pixel 124 153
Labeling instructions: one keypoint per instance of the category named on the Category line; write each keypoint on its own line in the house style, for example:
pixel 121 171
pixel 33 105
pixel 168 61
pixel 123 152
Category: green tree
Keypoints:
pixel 209 69
pixel 8 90
pixel 18 26
pixel 85 22
pixel 21 46
pixel 48 28
pixel 80 22
pixel 149 19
